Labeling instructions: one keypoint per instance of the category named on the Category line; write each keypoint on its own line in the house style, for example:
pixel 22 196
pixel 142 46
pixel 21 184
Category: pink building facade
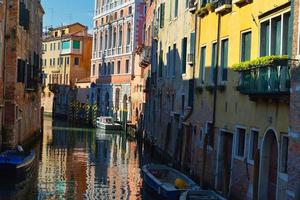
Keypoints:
pixel 118 30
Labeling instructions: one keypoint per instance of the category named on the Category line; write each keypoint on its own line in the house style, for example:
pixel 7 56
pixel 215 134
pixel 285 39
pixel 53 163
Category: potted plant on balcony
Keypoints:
pixel 210 7
pixel 202 11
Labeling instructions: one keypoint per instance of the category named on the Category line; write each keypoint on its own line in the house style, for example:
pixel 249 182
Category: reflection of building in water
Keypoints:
pixel 63 163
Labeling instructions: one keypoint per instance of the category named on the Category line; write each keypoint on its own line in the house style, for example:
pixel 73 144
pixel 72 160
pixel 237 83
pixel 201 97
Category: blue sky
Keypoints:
pixel 68 11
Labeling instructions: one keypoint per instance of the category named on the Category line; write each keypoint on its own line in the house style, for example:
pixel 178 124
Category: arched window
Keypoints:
pixel 115 38
pixel 128 34
pixel 120 36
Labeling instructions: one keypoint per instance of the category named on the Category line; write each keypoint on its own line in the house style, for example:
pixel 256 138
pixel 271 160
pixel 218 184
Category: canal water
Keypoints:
pixel 81 163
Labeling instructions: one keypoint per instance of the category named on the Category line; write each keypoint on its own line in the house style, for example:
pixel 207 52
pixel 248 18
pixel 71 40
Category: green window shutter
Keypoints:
pixel 76 44
pixel 224 59
pixel 246 46
pixel 192 43
pixel 213 62
pixel 162 15
pixel 264 38
pixel 202 64
pixel 183 54
pixel 66 44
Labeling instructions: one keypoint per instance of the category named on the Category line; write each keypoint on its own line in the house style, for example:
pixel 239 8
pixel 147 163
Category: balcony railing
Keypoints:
pixel 222 6
pixel 193 5
pixel 267 80
pixel 145 57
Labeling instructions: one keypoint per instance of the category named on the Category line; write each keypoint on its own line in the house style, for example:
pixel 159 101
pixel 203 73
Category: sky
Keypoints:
pixel 58 12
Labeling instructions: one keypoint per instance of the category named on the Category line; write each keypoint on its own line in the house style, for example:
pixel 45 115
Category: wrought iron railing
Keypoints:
pixel 272 79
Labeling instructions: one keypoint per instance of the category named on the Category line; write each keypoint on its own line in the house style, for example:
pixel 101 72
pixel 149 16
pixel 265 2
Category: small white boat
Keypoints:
pixel 107 123
pixel 167 182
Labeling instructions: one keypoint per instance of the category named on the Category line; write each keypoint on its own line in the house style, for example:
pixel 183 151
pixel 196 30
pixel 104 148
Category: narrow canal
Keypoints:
pixel 80 163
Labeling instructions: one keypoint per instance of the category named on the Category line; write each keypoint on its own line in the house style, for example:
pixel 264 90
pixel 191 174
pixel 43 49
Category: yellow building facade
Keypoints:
pixel 66 58
pixel 240 115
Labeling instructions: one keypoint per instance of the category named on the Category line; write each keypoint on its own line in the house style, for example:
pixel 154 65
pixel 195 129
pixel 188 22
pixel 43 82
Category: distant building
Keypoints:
pixel 66 58
pixel 20 68
pixel 118 30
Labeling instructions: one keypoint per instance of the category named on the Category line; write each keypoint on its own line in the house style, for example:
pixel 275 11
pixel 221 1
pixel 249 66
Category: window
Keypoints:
pixel 50 61
pixel 183 55
pixel 94 70
pixel 173 102
pixel 112 68
pixel 58 45
pixel 120 36
pixel 246 46
pixel 186 4
pixel 54 46
pixel 121 13
pixel 56 34
pixel 53 61
pixel 274 36
pixel 76 44
pixel 224 59
pixel 119 67
pixel 66 44
pixel 76 61
pixel 240 138
pixel 115 38
pixel 162 15
pixel 176 8
pixel 174 60
pixel 130 10
pixel 127 67
pixel 51 46
pixel 128 34
pixel 160 64
pixel 45 47
pixel 169 62
pixel 104 68
pixel 68 60
pixel 284 153
pixel 253 144
pixel 213 62
pixel 202 64
pixel 108 68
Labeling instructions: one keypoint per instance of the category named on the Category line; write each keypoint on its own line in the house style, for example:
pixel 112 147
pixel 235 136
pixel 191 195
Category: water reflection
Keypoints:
pixel 87 164
pixel 78 163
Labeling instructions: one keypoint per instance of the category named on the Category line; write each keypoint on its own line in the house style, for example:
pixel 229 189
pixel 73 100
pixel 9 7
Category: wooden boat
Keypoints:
pixel 107 123
pixel 15 164
pixel 200 195
pixel 167 182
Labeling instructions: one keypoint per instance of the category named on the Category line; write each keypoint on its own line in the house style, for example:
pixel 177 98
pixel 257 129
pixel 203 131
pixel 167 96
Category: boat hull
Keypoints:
pixel 154 184
pixel 16 172
pixel 109 127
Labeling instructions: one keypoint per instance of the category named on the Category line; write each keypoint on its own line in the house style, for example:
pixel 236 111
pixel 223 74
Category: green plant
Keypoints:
pixel 210 7
pixel 259 62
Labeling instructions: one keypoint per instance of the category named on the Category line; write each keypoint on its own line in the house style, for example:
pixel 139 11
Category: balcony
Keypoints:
pixel 241 2
pixel 193 6
pixel 222 6
pixel 145 57
pixel 270 81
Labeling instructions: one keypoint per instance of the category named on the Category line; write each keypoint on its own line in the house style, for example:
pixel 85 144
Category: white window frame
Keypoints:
pixel 281 14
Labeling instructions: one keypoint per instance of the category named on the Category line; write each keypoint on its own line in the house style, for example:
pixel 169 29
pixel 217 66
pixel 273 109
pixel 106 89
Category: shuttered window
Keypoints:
pixel 162 15
pixel 246 46
pixel 183 54
pixel 202 64
pixel 264 39
pixel 224 59
pixel 76 44
pixel 213 62
pixel 21 71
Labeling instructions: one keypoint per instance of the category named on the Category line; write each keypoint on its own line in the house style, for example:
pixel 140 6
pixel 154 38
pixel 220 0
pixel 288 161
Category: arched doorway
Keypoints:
pixel 269 167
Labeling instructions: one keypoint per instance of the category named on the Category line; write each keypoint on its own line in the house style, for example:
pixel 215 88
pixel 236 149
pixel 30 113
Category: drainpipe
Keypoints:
pixel 214 101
